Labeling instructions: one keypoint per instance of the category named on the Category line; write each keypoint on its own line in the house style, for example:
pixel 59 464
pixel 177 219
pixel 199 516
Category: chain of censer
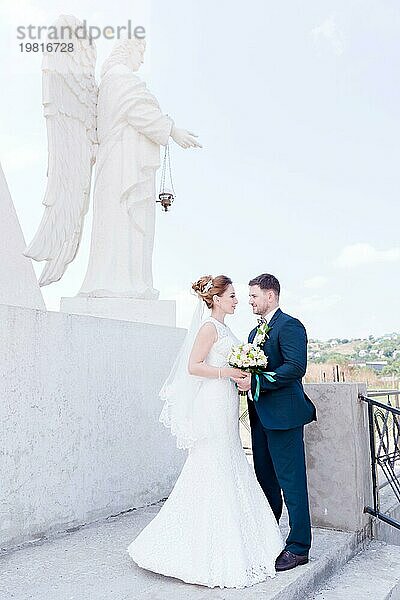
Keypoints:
pixel 166 159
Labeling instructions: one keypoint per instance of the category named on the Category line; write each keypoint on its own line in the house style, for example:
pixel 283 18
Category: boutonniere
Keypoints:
pixel 262 332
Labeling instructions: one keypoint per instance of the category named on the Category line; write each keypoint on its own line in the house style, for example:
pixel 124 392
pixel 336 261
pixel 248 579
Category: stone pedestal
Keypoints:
pixel 153 312
pixel 338 457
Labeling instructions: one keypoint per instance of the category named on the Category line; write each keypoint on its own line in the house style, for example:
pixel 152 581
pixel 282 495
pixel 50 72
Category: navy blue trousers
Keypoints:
pixel 279 463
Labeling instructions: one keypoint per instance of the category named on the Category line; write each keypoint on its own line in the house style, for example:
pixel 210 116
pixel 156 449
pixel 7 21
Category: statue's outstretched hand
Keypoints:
pixel 185 139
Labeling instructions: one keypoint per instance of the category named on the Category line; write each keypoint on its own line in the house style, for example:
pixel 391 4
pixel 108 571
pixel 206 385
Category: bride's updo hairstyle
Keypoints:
pixel 206 287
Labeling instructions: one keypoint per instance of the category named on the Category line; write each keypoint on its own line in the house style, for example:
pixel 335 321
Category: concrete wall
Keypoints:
pixel 80 438
pixel 338 457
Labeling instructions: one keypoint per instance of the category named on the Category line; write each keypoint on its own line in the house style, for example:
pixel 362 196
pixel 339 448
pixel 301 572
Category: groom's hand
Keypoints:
pixel 244 385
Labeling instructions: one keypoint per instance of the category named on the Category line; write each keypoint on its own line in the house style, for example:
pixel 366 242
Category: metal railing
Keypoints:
pixel 384 441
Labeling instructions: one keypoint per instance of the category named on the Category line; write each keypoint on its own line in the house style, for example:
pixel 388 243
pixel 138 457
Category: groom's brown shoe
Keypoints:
pixel 287 560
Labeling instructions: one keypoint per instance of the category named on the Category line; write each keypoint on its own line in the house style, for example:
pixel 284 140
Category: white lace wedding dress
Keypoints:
pixel 216 528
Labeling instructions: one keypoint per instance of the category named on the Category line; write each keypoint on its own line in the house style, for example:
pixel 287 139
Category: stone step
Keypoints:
pixel 373 574
pixel 92 564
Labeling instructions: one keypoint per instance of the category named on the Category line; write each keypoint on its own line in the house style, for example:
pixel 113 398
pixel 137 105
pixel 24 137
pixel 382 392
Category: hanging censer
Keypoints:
pixel 166 195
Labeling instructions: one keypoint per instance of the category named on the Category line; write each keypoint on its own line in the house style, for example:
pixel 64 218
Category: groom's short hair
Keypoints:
pixel 266 281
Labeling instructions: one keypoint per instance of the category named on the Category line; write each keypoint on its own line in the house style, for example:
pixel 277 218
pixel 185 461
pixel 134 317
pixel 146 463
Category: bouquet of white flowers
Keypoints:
pixel 251 358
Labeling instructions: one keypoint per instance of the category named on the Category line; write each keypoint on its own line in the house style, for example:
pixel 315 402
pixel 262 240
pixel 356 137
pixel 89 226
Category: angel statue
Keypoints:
pixel 119 126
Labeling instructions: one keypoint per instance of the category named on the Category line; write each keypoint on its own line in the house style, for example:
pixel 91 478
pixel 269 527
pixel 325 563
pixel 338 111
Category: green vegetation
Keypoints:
pixel 382 354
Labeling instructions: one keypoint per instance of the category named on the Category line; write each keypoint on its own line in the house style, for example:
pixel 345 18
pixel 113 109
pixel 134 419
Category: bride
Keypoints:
pixel 216 528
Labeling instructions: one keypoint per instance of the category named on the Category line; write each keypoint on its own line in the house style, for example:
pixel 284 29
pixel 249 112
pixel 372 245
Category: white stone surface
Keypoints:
pixel 131 127
pixel 373 574
pixel 80 437
pixel 92 564
pixel 18 285
pixel 157 312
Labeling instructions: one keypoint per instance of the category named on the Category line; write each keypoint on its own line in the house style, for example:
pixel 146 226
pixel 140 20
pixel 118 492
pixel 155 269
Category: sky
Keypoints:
pixel 297 107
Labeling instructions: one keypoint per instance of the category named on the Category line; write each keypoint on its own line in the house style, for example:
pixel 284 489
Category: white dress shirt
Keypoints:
pixel 271 313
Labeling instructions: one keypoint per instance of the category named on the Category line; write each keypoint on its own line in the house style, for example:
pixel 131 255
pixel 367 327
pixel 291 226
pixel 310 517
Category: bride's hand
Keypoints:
pixel 233 373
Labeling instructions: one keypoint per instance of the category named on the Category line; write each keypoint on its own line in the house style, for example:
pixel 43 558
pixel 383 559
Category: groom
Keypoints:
pixel 278 417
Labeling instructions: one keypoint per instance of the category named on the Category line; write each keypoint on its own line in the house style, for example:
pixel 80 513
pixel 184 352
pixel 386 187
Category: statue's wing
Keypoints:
pixel 69 100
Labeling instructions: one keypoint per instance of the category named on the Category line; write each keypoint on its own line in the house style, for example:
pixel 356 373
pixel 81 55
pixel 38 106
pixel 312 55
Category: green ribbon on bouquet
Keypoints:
pixel 268 375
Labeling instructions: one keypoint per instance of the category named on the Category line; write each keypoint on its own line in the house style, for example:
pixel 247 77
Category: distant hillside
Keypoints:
pixel 382 354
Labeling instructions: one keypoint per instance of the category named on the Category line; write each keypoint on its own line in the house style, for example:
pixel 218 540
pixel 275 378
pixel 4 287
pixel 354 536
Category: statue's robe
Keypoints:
pixel 130 128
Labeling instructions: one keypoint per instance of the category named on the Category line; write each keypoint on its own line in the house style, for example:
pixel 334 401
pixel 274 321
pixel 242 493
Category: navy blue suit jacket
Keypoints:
pixel 283 404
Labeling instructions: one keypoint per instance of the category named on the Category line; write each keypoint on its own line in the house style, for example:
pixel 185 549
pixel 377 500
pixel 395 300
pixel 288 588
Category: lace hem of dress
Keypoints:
pixel 252 576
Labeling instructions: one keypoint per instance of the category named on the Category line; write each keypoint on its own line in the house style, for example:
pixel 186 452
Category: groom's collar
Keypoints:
pixel 275 314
